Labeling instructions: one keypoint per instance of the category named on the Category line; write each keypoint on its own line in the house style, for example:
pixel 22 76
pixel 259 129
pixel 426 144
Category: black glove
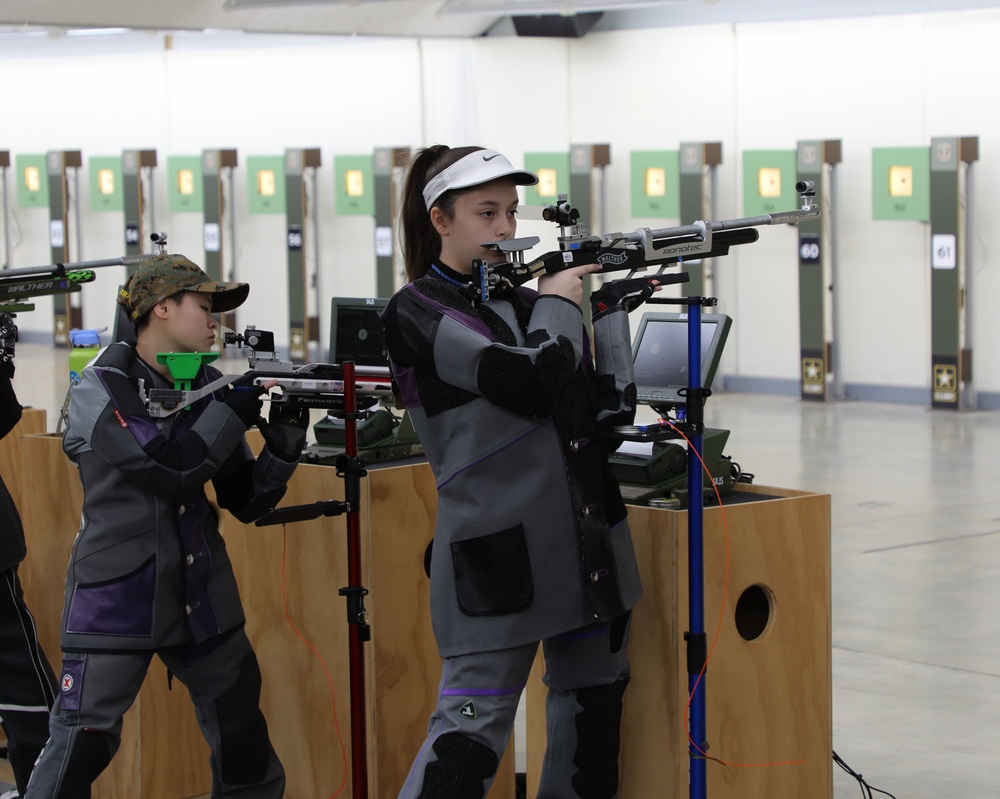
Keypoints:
pixel 626 293
pixel 6 368
pixel 244 400
pixel 285 431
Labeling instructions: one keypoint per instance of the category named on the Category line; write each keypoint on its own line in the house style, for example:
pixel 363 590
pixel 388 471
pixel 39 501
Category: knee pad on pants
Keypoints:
pixel 598 740
pixel 89 754
pixel 245 748
pixel 461 766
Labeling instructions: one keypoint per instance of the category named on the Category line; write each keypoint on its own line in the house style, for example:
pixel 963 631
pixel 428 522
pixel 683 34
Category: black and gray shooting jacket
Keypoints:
pixel 149 568
pixel 514 413
pixel 12 547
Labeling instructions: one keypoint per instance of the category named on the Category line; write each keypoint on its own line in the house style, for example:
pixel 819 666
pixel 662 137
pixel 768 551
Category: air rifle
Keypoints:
pixel 19 285
pixel 619 252
pixel 312 385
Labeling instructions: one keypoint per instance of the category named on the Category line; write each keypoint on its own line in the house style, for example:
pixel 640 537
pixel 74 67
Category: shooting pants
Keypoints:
pixel 477 703
pixel 27 686
pixel 97 688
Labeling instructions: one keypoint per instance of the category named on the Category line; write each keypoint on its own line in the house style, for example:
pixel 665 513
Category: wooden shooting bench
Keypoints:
pixel 768 698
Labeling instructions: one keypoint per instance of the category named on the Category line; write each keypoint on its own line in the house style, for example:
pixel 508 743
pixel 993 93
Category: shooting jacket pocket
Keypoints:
pixel 493 573
pixel 120 606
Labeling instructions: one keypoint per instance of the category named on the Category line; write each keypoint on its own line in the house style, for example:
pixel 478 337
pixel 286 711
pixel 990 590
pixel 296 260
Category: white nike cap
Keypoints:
pixel 478 167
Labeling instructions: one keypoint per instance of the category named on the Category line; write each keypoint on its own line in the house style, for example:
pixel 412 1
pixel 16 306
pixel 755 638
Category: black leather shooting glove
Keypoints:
pixel 244 399
pixel 285 431
pixel 627 293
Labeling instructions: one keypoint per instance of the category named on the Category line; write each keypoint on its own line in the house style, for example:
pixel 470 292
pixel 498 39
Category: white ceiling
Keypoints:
pixel 427 18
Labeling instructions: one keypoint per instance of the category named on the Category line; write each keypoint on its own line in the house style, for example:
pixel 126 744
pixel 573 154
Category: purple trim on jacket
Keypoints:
pixel 467 320
pixel 514 689
pixel 406 379
pixel 71 683
pixel 489 455
pixel 143 428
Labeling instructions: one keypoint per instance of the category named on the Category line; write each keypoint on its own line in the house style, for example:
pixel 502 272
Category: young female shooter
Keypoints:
pixel 532 541
pixel 149 573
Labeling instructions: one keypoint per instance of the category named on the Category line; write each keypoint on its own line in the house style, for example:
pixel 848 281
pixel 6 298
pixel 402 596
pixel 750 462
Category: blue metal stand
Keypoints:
pixel 697 643
pixel 695 636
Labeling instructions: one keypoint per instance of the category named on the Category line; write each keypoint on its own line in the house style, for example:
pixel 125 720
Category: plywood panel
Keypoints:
pixel 768 699
pixel 32 423
pixel 289 577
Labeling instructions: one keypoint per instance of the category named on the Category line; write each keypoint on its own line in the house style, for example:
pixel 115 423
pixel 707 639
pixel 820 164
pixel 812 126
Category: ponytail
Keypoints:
pixel 421 242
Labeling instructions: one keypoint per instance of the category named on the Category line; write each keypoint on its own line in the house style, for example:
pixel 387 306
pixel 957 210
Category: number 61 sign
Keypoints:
pixel 943 251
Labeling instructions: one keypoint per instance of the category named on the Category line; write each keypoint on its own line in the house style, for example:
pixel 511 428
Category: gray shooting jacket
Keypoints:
pixel 514 413
pixel 149 568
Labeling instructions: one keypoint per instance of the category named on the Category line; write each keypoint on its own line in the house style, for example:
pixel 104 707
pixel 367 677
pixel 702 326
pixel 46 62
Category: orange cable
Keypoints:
pixel 718 628
pixel 329 679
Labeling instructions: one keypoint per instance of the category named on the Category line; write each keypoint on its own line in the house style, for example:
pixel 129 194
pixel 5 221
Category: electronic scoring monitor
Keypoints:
pixel 660 355
pixel 356 332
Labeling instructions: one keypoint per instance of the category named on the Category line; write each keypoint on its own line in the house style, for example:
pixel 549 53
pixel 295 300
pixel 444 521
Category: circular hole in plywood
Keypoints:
pixel 754 612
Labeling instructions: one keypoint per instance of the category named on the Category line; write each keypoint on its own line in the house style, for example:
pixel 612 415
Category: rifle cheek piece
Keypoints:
pixel 312 385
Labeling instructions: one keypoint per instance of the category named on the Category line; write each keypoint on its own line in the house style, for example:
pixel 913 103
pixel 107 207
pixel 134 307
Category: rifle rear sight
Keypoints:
pixel 159 243
pixel 257 340
pixel 562 213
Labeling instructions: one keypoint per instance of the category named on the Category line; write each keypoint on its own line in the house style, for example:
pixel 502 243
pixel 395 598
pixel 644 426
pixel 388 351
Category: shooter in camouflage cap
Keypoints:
pixel 165 275
pixel 149 573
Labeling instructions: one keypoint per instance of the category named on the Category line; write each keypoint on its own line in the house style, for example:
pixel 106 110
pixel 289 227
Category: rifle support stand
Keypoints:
pixel 351 468
pixel 693 427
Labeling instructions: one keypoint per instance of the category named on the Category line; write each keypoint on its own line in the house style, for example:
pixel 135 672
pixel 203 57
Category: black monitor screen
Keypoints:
pixel 660 354
pixel 356 331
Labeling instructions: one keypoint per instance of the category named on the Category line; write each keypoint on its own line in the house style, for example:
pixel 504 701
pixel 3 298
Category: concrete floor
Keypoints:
pixel 916 571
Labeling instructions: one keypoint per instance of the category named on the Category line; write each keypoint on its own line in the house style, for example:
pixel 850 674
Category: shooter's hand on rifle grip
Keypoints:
pixel 628 294
pixel 567 283
pixel 244 399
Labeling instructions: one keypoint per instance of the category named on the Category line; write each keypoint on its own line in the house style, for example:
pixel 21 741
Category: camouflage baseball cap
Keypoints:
pixel 163 276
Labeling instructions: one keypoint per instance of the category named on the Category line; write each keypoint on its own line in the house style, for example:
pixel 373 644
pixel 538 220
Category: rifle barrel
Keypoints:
pixel 57 269
pixel 779 218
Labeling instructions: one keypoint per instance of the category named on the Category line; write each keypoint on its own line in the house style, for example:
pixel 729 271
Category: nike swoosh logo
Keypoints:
pixel 495 155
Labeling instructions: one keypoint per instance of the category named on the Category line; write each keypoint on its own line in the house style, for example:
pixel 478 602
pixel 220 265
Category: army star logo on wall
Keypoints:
pixel 945 383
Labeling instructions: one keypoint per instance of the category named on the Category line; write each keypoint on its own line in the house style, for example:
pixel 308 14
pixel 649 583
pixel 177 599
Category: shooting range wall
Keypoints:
pixel 893 81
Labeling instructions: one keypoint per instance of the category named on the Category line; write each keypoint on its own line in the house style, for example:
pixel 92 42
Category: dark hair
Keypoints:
pixel 421 242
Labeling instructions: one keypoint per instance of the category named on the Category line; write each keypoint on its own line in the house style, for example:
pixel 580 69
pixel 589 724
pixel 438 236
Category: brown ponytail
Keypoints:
pixel 421 242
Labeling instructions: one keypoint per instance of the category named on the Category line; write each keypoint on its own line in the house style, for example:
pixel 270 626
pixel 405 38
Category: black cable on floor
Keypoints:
pixel 866 789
